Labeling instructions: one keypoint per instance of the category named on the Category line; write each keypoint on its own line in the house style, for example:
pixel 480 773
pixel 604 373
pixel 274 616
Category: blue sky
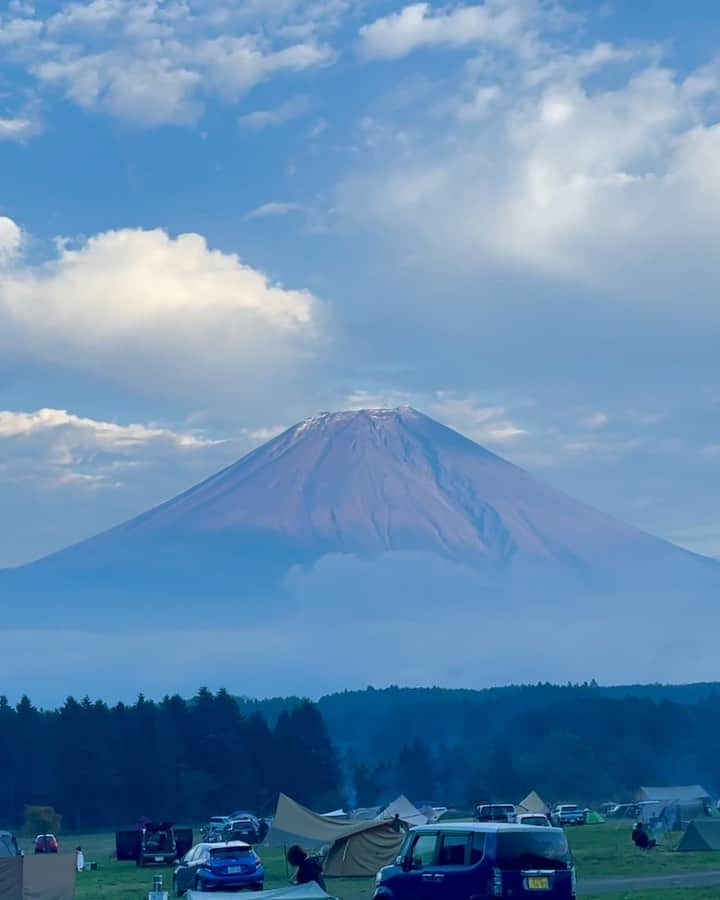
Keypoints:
pixel 217 219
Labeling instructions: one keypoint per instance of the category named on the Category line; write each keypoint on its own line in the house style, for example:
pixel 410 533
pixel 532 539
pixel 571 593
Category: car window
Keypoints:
pixel 230 852
pixel 453 848
pixel 477 847
pixel 423 851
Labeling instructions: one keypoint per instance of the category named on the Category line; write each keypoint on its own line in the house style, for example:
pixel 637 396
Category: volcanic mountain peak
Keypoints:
pixel 375 481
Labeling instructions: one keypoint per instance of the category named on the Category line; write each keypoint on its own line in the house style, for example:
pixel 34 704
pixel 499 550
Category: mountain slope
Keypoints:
pixel 368 484
pixel 379 481
pixel 358 548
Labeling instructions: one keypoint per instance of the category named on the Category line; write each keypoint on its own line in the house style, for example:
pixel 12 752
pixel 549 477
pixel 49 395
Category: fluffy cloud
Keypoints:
pixel 64 477
pixel 261 119
pixel 152 64
pixel 10 239
pixel 591 164
pixel 273 209
pixel 57 447
pixel 146 308
pixel 420 25
pixel 18 128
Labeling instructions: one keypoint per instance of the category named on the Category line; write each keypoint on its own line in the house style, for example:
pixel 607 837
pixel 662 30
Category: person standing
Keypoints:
pixel 308 867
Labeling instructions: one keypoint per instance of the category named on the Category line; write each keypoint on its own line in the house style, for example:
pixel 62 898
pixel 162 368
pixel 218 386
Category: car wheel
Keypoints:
pixel 176 890
pixel 256 887
pixel 199 886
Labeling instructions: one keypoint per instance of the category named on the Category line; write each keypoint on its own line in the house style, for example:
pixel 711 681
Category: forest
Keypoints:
pixel 186 759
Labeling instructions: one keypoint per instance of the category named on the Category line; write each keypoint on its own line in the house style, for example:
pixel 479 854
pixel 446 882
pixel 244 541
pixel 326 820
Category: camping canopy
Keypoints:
pixel 294 824
pixel 357 849
pixel 48 876
pixel 703 834
pixel 408 813
pixel 687 793
pixel 534 803
pixel 310 891
pixel 365 853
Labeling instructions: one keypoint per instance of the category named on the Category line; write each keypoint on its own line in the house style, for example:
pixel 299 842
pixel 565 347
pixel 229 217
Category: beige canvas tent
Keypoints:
pixel 408 813
pixel 534 803
pixel 44 877
pixel 364 853
pixel 355 849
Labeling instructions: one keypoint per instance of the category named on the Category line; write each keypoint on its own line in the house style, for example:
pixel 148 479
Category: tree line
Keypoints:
pixel 184 760
pixel 180 760
pixel 576 745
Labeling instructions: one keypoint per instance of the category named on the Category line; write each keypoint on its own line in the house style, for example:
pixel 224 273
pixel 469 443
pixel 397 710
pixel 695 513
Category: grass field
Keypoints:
pixel 601 851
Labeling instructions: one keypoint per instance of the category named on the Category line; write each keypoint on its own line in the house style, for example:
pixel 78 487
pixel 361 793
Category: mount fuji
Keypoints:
pixel 377 523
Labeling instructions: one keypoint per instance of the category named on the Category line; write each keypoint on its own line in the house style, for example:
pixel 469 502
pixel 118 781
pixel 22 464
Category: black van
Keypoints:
pixel 479 860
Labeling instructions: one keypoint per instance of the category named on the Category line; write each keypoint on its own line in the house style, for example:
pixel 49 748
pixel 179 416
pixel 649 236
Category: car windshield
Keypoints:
pixel 230 852
pixel 541 849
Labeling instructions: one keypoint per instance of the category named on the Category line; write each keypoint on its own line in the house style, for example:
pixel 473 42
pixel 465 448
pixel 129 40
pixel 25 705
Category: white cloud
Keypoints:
pixel 595 420
pixel 609 182
pixel 54 447
pixel 18 128
pixel 10 240
pixel 261 119
pixel 158 312
pixel 420 25
pixel 480 421
pixel 268 210
pixel 152 64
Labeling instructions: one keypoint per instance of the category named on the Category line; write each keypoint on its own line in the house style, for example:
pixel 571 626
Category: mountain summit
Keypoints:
pixel 371 529
pixel 388 480
pixel 367 482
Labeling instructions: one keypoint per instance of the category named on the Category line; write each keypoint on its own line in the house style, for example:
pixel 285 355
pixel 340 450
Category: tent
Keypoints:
pixel 677 816
pixel 702 834
pixel 363 854
pixel 356 849
pixel 534 803
pixel 408 813
pixel 310 891
pixel 48 876
pixel 683 794
pixel 593 818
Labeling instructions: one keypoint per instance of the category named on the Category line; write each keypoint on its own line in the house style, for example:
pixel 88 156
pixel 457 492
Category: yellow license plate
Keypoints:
pixel 538 884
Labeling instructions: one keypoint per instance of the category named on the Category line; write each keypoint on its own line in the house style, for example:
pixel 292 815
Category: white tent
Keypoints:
pixel 534 803
pixel 403 808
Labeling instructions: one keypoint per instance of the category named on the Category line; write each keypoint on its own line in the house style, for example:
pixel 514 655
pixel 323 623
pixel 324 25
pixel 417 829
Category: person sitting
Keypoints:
pixel 308 868
pixel 640 837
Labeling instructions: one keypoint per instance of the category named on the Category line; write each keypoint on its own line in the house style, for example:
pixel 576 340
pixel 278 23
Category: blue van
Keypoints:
pixel 480 860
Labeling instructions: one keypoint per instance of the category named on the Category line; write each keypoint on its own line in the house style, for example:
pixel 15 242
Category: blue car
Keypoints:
pixel 480 860
pixel 227 866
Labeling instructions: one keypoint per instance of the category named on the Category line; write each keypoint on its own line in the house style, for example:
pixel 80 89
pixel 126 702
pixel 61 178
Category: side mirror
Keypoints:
pixel 400 861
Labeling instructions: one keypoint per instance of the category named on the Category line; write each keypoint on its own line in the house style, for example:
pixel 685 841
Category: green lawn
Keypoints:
pixel 600 851
pixel 707 893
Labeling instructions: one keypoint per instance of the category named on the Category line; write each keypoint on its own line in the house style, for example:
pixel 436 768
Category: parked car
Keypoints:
pixel 496 812
pixel 567 814
pixel 9 845
pixel 457 860
pixel 157 845
pixel 538 819
pixel 46 843
pixel 227 866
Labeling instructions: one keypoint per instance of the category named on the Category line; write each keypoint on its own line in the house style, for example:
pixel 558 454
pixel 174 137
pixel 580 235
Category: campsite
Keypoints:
pixel 600 851
pixel 356 846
